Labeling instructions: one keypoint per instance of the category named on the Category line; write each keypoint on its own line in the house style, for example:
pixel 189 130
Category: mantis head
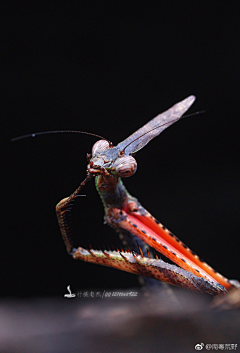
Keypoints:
pixel 110 160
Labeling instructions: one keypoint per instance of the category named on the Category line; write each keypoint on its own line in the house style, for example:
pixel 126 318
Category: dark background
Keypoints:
pixel 108 68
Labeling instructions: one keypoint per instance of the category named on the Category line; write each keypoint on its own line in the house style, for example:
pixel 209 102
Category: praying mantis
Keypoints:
pixel 137 228
pixel 123 212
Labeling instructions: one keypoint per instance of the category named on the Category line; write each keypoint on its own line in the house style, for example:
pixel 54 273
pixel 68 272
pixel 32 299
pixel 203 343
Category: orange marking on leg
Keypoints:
pixel 171 248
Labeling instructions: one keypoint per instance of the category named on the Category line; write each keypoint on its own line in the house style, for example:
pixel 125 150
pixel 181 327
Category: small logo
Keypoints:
pixel 199 346
pixel 70 295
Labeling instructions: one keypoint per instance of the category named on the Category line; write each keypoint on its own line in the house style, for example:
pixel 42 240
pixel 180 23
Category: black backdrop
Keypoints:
pixel 108 68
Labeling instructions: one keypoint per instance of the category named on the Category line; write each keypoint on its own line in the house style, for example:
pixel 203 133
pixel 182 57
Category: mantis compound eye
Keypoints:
pixel 100 146
pixel 125 166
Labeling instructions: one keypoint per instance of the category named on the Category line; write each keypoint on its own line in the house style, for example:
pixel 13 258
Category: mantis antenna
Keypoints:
pixel 57 132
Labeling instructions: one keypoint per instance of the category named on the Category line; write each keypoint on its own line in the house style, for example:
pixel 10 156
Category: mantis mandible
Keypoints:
pixel 108 164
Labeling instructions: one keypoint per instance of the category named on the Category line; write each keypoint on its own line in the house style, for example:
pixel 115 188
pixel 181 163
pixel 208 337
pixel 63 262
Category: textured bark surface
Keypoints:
pixel 144 323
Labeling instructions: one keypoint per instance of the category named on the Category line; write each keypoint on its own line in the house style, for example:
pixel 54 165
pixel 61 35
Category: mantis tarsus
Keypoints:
pixel 108 164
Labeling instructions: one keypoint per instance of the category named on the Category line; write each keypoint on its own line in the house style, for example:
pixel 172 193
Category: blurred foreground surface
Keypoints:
pixel 141 323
